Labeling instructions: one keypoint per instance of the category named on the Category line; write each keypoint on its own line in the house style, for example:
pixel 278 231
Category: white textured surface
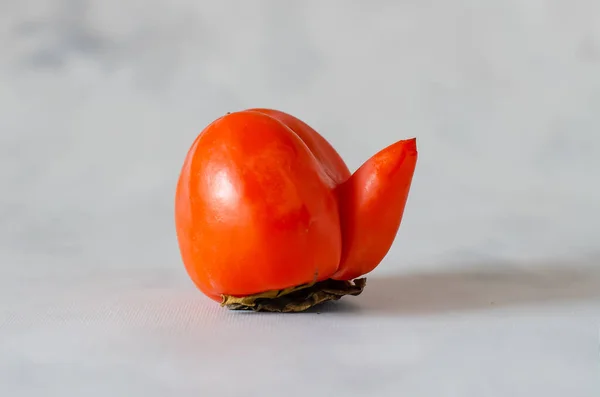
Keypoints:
pixel 493 286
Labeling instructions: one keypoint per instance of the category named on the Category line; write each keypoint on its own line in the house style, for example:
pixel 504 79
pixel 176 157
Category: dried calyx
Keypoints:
pixel 296 299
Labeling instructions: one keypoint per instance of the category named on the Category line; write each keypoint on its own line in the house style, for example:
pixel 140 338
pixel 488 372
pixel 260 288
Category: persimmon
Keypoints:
pixel 269 217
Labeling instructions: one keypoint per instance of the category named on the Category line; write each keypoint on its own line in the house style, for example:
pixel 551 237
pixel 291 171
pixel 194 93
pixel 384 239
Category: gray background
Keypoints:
pixel 492 287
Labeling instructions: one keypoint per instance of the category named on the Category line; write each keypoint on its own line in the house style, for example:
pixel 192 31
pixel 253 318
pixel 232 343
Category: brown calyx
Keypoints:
pixel 296 299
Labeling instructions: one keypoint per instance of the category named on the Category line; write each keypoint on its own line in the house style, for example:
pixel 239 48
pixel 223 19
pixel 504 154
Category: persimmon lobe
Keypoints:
pixel 264 203
pixel 371 206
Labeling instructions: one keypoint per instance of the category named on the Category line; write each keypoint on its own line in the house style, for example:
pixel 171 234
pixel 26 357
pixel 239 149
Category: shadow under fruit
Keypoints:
pixel 269 218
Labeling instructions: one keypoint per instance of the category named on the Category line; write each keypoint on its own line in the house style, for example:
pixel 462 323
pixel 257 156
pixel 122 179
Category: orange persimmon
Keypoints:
pixel 265 207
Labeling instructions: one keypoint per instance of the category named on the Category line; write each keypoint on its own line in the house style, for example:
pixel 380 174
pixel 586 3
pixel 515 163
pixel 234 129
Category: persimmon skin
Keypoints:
pixel 325 154
pixel 255 210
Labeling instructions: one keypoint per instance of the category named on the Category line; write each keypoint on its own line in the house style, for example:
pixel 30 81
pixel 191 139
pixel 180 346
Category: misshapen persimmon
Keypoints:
pixel 267 212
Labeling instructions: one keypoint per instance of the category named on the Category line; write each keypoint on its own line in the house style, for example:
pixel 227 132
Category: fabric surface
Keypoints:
pixel 491 289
